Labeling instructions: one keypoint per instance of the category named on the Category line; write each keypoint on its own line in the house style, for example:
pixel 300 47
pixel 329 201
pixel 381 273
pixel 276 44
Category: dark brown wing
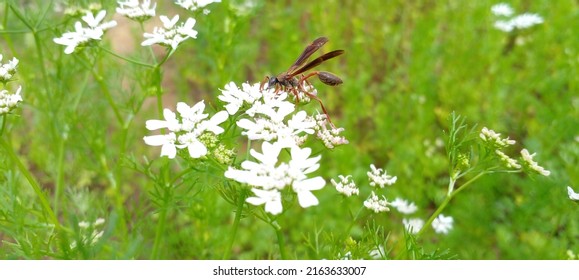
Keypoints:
pixel 308 51
pixel 316 62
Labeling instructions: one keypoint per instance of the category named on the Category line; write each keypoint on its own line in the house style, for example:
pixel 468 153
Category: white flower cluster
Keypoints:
pixel 187 130
pixel 413 225
pixel 9 101
pixel 7 70
pixel 518 22
pixel 345 186
pixel 171 34
pixel 193 5
pixel 89 238
pixel 330 136
pixel 135 10
pixel 376 203
pixel 83 36
pixel 377 178
pixel 404 206
pixel 526 162
pixel 268 176
pixel 442 224
pixel 572 194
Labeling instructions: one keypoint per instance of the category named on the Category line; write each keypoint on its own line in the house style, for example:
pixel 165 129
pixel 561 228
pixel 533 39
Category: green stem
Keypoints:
pixel 60 173
pixel 280 239
pixel 159 233
pixel 240 203
pixel 32 181
pixel 136 62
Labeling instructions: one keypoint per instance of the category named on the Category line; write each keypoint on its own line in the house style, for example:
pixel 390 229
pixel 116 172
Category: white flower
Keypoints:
pixel 403 206
pixel 572 194
pixel 82 36
pixel 529 163
pixel 135 10
pixel 7 70
pixel 509 162
pixel 376 204
pixel 268 173
pixel 330 136
pixel 345 186
pixel 9 101
pixel 185 129
pixel 193 5
pixel 171 34
pixel 504 25
pixel 413 225
pixel 378 179
pixel 442 224
pixel 526 20
pixel 494 139
pixel 271 199
pixel 502 9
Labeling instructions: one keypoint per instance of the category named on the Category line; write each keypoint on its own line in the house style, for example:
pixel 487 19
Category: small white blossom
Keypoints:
pixel 529 163
pixel 502 9
pixel 171 34
pixel 572 194
pixel 330 136
pixel 442 224
pixel 269 173
pixel 89 238
pixel 193 5
pixel 494 139
pixel 413 225
pixel 185 129
pixel 376 204
pixel 508 161
pixel 83 36
pixel 134 9
pixel 9 101
pixel 7 70
pixel 403 206
pixel 378 179
pixel 526 20
pixel 345 186
pixel 271 199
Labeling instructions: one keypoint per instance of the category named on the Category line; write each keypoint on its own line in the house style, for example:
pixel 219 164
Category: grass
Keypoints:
pixel 74 152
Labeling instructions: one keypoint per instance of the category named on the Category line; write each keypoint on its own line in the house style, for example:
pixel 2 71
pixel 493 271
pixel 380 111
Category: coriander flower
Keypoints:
pixel 8 102
pixel 509 162
pixel 171 34
pixel 572 194
pixel 7 70
pixel 135 10
pixel 494 139
pixel 92 237
pixel 193 5
pixel 526 20
pixel 377 178
pixel 530 164
pixel 270 174
pixel 271 199
pixel 376 204
pixel 403 206
pixel 502 9
pixel 186 130
pixel 329 136
pixel 413 225
pixel 346 186
pixel 83 36
pixel 442 224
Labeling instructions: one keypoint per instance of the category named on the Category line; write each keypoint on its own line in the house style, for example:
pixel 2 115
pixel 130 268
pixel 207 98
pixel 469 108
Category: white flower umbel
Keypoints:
pixel 83 36
pixel 413 225
pixel 330 136
pixel 171 34
pixel 89 238
pixel 526 20
pixel 9 101
pixel 269 174
pixel 7 70
pixel 271 199
pixel 572 194
pixel 502 9
pixel 193 5
pixel 135 10
pixel 442 224
pixel 508 161
pixel 376 204
pixel 494 139
pixel 404 206
pixel 345 186
pixel 529 164
pixel 185 130
pixel 377 178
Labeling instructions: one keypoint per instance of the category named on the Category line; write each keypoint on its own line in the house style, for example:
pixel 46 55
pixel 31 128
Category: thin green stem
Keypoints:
pixel 238 211
pixel 280 239
pixel 32 181
pixel 159 233
pixel 59 189
pixel 136 62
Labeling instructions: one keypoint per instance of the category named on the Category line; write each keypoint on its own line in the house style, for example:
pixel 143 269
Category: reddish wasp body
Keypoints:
pixel 289 80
